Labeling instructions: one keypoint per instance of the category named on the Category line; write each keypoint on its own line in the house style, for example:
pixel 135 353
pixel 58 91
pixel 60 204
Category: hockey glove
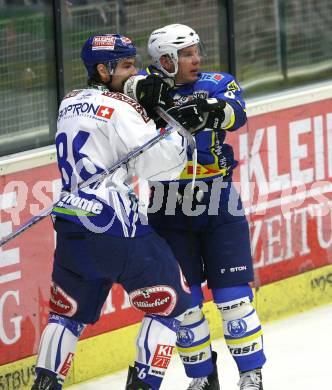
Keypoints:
pixel 150 91
pixel 188 115
pixel 213 112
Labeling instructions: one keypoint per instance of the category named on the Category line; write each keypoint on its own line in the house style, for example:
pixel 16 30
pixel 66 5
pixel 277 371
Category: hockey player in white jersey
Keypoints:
pixel 102 235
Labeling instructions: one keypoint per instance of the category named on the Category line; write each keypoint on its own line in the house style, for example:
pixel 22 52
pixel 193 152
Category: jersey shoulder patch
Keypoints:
pixel 126 99
pixel 211 77
pixel 219 82
pixel 233 86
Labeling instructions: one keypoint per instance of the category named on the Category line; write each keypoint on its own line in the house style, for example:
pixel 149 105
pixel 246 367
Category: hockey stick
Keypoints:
pixel 175 126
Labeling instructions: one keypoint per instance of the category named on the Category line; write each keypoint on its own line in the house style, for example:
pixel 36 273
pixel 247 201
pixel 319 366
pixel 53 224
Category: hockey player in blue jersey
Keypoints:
pixel 213 246
pixel 102 238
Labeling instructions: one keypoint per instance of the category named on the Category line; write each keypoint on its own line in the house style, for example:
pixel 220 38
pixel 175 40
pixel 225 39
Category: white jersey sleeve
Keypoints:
pixel 163 161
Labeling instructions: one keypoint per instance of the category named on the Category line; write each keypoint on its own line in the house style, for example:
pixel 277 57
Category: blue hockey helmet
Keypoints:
pixel 106 49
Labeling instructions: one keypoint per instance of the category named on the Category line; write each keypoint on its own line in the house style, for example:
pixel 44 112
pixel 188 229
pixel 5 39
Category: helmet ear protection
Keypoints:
pixel 167 41
pixel 106 49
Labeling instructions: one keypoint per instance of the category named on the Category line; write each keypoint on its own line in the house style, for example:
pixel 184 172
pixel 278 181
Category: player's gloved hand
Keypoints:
pixel 213 112
pixel 188 115
pixel 150 91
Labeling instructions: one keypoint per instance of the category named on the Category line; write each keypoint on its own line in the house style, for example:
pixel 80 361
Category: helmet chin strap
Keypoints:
pixel 111 69
pixel 171 60
pixel 170 74
pixel 99 83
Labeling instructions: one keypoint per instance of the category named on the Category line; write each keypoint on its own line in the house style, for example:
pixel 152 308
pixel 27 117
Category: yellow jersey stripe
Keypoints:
pixel 196 348
pixel 244 339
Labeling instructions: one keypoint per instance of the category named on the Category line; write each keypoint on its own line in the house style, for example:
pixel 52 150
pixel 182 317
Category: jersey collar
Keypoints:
pixel 101 87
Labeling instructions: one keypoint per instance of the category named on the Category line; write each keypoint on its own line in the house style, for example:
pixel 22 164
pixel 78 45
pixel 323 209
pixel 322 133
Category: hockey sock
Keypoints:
pixel 155 343
pixel 57 346
pixel 194 345
pixel 241 325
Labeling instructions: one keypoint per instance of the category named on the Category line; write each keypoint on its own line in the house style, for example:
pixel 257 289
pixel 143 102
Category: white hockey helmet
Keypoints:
pixel 167 41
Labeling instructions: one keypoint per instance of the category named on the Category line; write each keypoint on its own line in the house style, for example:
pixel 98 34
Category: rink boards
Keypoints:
pixel 285 153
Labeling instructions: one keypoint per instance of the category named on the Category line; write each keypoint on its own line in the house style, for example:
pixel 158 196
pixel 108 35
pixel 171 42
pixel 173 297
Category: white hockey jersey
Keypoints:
pixel 95 129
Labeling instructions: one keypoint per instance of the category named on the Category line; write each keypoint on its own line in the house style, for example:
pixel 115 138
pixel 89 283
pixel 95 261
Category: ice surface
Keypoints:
pixel 298 350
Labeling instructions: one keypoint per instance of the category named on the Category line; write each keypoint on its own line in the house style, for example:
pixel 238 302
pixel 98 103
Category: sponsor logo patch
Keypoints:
pixel 159 373
pixel 66 365
pixel 237 328
pixel 249 349
pixel 107 42
pixel 162 356
pixel 185 337
pixel 213 77
pixel 194 358
pixel 155 300
pixel 103 42
pixel 62 303
pixel 237 269
pixel 88 110
pixel 233 86
pixel 233 304
pixel 105 112
pixel 88 206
